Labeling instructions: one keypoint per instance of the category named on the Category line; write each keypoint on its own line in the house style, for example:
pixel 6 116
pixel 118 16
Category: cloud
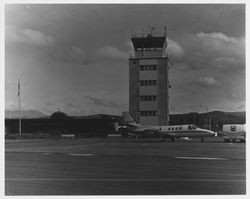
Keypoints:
pixel 174 50
pixel 221 47
pixel 241 107
pixel 216 36
pixel 234 95
pixel 111 52
pixel 77 54
pixel 206 82
pixel 70 54
pixel 227 62
pixel 27 36
pixel 221 44
pixel 13 105
pixel 102 102
pixel 212 50
pixel 70 105
pixel 130 47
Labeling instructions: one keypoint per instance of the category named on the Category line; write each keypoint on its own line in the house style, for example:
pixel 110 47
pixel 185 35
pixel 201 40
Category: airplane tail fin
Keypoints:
pixel 128 118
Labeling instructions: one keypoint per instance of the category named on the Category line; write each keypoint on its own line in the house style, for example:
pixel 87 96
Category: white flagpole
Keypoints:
pixel 19 95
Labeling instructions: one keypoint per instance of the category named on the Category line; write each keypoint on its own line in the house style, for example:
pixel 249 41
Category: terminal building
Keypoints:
pixel 149 79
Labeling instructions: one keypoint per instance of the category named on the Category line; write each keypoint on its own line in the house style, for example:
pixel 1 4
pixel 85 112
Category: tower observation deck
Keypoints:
pixel 148 79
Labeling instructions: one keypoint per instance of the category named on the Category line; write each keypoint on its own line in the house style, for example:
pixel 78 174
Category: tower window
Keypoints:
pixel 148 98
pixel 148 113
pixel 148 82
pixel 148 67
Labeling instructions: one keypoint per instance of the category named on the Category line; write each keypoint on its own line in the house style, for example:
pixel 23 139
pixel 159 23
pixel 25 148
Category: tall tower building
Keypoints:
pixel 148 79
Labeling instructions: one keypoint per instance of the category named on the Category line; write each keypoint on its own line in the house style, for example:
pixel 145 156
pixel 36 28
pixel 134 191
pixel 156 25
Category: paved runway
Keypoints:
pixel 124 167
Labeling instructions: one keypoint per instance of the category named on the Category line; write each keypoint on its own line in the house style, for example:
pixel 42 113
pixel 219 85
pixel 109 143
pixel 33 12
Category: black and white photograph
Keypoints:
pixel 124 99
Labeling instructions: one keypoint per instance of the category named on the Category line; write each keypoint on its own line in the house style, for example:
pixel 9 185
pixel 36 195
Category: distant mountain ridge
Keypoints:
pixel 199 119
pixel 24 114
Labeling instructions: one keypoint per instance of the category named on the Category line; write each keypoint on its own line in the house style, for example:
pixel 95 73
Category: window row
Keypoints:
pixel 148 113
pixel 148 98
pixel 148 82
pixel 148 49
pixel 148 67
pixel 174 128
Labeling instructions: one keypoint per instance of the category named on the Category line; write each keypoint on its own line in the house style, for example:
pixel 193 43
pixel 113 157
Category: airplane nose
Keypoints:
pixel 213 133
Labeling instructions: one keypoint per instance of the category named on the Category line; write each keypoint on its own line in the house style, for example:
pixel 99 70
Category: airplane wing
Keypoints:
pixel 168 134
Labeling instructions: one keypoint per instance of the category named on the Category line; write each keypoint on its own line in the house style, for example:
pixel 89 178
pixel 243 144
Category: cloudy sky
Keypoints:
pixel 75 57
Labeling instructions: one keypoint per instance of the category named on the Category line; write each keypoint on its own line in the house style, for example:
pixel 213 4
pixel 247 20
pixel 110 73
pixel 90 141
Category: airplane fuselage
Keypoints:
pixel 175 131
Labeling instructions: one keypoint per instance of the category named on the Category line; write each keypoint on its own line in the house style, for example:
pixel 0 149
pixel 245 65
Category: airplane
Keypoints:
pixel 172 131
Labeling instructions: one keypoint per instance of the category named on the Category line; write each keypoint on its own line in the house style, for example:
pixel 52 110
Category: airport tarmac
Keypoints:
pixel 124 167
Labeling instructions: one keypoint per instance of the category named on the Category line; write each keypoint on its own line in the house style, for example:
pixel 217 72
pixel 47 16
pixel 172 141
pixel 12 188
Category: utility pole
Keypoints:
pixel 19 95
pixel 209 120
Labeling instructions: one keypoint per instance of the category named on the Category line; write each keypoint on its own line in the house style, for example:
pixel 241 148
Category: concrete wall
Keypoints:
pixel 148 90
pixel 148 120
pixel 147 75
pixel 163 101
pixel 134 87
pixel 147 106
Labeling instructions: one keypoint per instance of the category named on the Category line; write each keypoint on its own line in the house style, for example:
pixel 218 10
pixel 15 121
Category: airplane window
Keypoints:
pixel 189 127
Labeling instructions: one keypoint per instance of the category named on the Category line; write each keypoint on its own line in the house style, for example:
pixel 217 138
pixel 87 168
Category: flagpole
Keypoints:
pixel 19 95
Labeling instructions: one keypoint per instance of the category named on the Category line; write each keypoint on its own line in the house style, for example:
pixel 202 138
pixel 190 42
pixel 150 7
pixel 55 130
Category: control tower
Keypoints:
pixel 148 79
